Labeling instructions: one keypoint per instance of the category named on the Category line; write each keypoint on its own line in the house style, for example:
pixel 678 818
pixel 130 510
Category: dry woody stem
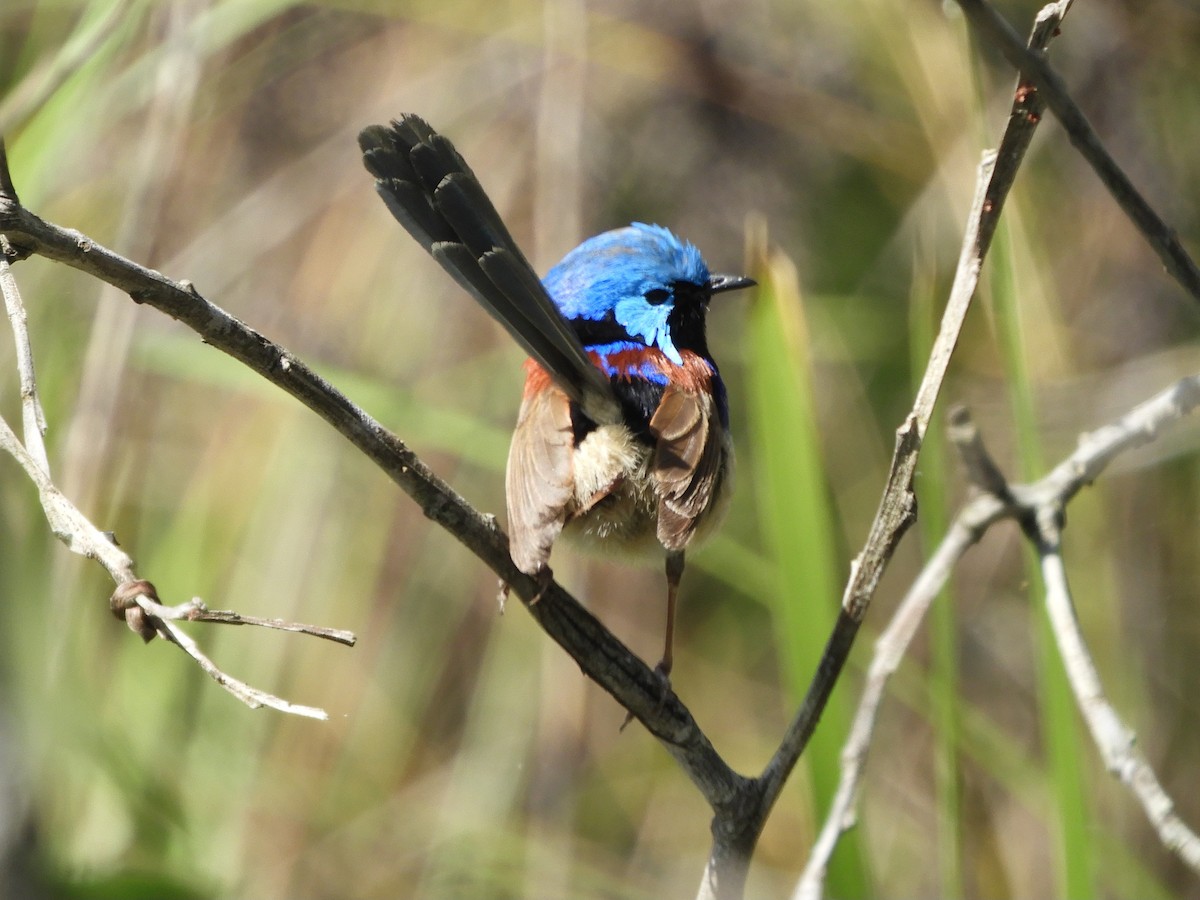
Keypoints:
pixel 135 601
pixel 740 804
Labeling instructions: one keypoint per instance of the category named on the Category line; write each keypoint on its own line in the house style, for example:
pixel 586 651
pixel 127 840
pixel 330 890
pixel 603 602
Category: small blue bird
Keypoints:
pixel 622 441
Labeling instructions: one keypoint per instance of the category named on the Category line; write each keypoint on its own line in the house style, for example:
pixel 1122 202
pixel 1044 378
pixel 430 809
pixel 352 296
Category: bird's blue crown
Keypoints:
pixel 633 287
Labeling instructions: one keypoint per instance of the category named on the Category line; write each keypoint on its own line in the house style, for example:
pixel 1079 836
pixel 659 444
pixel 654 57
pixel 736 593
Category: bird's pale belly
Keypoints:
pixel 615 507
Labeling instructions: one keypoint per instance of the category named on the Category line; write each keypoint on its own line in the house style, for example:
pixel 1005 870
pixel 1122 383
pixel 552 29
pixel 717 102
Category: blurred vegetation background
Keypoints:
pixel 466 756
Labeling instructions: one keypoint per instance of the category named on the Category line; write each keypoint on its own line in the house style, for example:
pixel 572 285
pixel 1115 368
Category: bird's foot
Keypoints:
pixel 543 577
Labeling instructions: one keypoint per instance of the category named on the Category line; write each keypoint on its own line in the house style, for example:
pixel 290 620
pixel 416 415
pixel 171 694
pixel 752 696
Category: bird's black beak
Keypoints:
pixel 718 283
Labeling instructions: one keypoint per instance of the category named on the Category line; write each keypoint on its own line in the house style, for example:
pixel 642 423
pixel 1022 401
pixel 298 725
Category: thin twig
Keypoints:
pixel 981 469
pixel 1020 502
pixel 1053 92
pixel 33 417
pixel 251 696
pixel 1027 109
pixel 68 523
pixel 897 508
pixel 82 537
pixel 1112 737
pixel 196 611
pixel 8 194
pixel 135 600
pixel 600 655
pixel 968 526
pixel 143 595
pixel 734 839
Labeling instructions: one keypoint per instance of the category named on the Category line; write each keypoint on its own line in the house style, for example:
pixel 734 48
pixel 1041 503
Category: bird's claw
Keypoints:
pixel 544 577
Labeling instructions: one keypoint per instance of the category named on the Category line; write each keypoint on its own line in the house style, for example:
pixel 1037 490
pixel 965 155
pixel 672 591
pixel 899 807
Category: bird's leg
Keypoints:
pixel 674 574
pixel 663 669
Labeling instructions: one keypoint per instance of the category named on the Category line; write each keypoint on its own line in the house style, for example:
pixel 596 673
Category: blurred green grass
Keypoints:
pixel 465 756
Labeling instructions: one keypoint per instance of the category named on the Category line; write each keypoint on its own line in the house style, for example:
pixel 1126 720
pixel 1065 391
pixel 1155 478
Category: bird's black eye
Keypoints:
pixel 657 296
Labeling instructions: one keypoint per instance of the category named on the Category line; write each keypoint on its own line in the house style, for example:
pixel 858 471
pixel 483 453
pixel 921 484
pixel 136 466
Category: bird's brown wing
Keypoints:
pixel 689 462
pixel 540 482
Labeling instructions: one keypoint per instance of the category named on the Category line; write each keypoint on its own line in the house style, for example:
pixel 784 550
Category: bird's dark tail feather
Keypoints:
pixel 434 194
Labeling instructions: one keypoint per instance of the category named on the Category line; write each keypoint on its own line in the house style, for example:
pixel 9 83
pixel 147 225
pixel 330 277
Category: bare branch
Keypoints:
pixel 1098 448
pixel 68 524
pixel 968 526
pixel 251 696
pixel 8 193
pixel 33 418
pixel 135 601
pixel 1112 737
pixel 982 470
pixel 600 655
pixel 1040 505
pixel 143 595
pixel 1053 93
pixel 82 537
pixel 196 611
pixel 897 508
pixel 143 616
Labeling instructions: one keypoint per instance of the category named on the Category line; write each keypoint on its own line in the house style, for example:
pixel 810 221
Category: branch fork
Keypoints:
pixel 135 601
pixel 740 804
